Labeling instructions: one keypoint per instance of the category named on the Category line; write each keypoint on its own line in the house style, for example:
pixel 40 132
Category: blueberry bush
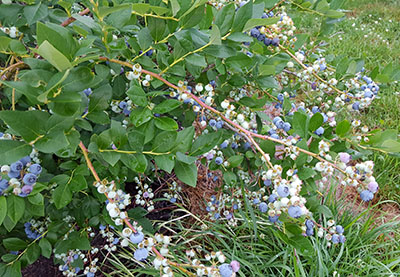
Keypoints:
pixel 111 108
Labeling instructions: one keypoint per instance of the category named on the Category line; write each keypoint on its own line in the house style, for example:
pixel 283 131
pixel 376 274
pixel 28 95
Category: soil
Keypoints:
pixel 42 268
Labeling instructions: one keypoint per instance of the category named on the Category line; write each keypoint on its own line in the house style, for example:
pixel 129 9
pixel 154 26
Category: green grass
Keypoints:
pixel 371 32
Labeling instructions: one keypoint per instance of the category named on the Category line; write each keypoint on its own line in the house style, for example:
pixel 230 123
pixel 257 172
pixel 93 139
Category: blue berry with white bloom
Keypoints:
pixel 141 254
pixel 17 166
pixel 283 191
pixel 319 131
pixel 280 97
pixel 366 195
pixel 339 229
pixel 335 239
pixel 263 207
pixel 25 160
pixel 35 169
pixel 309 224
pixel 273 219
pixel 218 160
pixel 219 124
pixel 224 145
pixel 287 126
pixel 272 198
pixel 137 237
pixel 267 182
pixel 225 270
pixel 342 239
pixel 295 211
pixel 13 174
pixel 29 179
pixel 3 184
pixel 212 122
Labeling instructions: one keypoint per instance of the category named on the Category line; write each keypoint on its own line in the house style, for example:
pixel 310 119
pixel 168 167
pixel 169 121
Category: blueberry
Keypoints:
pixel 275 136
pixel 3 184
pixel 218 160
pixel 314 85
pixel 149 53
pixel 267 41
pixel 276 119
pixel 366 195
pixel 173 200
pixel 246 145
pixel 17 166
pixel 217 216
pixel 126 112
pixel 141 254
pixel 234 145
pixel 315 109
pixel 275 41
pixel 272 198
pixel 286 126
pixel 261 37
pixel 29 179
pixel 356 106
pixel 254 32
pixel 342 238
pixel 212 122
pixel 273 219
pixel 295 211
pixel 256 201
pixel 309 232
pixel 137 237
pixel 319 131
pixel 263 207
pixel 224 145
pixel 26 189
pixel 283 191
pixel 309 224
pixel 87 91
pixel 280 97
pixel 339 229
pixel 267 182
pixel 25 160
pixel 219 124
pixel 35 169
pixel 225 270
pixel 122 104
pixel 13 174
pixel 368 94
pixel 335 239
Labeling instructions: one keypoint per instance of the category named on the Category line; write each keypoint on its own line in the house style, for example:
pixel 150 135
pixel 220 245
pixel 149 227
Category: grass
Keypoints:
pixel 371 32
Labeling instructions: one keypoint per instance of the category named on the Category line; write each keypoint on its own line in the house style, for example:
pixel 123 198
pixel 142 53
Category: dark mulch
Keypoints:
pixel 42 268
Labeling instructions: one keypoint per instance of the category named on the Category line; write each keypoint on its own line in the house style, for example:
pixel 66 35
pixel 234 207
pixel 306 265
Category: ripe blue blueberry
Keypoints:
pixel 275 136
pixel 335 239
pixel 87 91
pixel 218 160
pixel 356 106
pixel 342 239
pixel 286 126
pixel 261 37
pixel 273 219
pixel 263 207
pixel 275 41
pixel 309 224
pixel 309 232
pixel 272 198
pixel 267 41
pixel 217 216
pixel 122 104
pixel 29 179
pixel 3 184
pixel 90 274
pixel 25 160
pixel 224 145
pixel 212 122
pixel 366 195
pixel 141 254
pixel 17 166
pixel 267 182
pixel 276 119
pixel 225 270
pixel 283 191
pixel 315 109
pixel 319 131
pixel 280 97
pixel 219 124
pixel 255 32
pixel 295 211
pixel 234 145
pixel 137 237
pixel 26 189
pixel 35 169
pixel 339 229
pixel 13 174
pixel 256 201
pixel 280 124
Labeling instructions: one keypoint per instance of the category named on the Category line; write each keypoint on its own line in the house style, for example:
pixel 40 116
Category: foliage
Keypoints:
pixel 156 89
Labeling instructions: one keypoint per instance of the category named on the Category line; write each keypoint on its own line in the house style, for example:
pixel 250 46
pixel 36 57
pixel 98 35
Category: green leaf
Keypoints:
pixel 62 195
pixel 3 208
pixel 315 122
pixel 235 161
pixel 392 146
pixel 136 140
pixel 243 14
pixel 184 140
pixel 156 27
pixel 15 207
pixel 165 162
pixel 46 248
pixel 184 158
pixel 35 13
pixel 166 124
pixel 205 143
pixel 267 69
pixel 342 128
pixel 300 124
pixel 215 36
pixel 136 162
pixel 167 106
pixel 32 253
pixel 137 95
pixel 230 178
pixel 104 11
pixel 28 124
pixel 140 116
pixel 253 22
pixel 224 18
pixel 14 244
pixel 187 173
pixel 53 56
pixel 13 150
pixel 164 141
